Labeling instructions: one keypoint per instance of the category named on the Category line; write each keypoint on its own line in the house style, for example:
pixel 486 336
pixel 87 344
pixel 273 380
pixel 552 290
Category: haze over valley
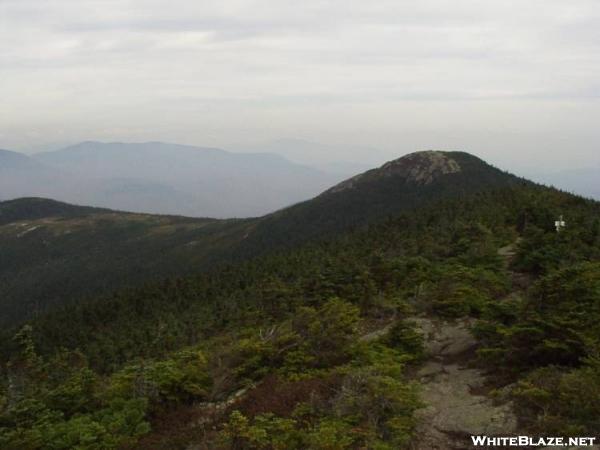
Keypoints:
pixel 163 178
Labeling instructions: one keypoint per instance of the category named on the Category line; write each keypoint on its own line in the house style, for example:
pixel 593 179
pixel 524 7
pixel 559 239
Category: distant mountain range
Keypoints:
pixel 163 178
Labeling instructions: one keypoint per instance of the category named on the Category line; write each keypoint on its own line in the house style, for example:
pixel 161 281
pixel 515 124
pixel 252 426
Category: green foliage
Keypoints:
pixel 54 254
pixel 547 339
pixel 420 257
pixel 552 325
pixel 180 378
pixel 62 403
pixel 265 432
pixel 543 251
pixel 379 399
pixel 324 335
pixel 330 434
pixel 31 426
pixel 373 409
pixel 559 402
pixel 95 374
pixel 404 337
pixel 463 291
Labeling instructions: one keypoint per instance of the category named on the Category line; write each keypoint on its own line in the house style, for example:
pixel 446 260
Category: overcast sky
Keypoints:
pixel 514 81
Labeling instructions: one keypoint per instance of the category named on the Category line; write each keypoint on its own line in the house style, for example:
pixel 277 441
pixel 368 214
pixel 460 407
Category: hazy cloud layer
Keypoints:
pixel 513 81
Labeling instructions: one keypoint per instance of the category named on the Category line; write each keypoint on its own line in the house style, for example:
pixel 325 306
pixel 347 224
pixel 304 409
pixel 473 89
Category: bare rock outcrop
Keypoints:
pixel 456 405
pixel 420 168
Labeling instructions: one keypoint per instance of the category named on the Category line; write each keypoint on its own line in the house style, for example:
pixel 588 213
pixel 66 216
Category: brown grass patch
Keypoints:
pixel 281 397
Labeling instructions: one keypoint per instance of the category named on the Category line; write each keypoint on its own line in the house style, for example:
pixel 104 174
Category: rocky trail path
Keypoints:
pixel 454 392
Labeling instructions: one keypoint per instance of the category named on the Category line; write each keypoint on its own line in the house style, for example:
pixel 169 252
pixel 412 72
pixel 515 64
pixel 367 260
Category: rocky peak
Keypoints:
pixel 420 168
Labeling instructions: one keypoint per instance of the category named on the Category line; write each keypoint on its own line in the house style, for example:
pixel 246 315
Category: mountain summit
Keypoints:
pixel 412 181
pixel 419 168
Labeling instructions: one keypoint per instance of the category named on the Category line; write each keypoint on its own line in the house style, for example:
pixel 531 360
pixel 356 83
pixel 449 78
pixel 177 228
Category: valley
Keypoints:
pixel 162 178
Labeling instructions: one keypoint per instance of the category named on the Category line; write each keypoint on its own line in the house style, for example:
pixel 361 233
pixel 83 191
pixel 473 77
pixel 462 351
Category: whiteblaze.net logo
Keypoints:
pixel 528 441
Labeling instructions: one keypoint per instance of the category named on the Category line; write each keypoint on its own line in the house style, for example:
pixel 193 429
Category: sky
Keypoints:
pixel 515 82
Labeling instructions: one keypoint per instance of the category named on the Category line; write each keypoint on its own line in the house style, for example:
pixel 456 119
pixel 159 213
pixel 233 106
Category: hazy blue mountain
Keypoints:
pixel 14 160
pixel 163 178
pixel 23 176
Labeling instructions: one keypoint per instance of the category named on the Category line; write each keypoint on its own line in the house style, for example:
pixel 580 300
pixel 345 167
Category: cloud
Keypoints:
pixel 254 69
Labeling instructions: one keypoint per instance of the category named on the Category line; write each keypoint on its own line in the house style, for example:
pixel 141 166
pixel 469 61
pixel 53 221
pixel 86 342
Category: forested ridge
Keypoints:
pixel 52 253
pixel 318 346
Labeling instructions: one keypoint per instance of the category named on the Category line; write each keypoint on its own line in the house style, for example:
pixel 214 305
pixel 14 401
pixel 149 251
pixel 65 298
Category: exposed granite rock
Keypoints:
pixel 455 409
pixel 419 168
pixel 443 339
